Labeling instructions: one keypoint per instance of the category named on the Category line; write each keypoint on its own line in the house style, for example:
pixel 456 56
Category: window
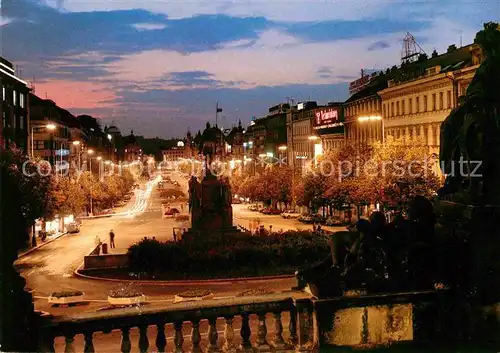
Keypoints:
pixel 441 105
pixel 14 98
pixel 417 104
pixel 397 108
pixel 403 107
pixel 14 122
pixel 383 112
pixel 410 108
pixel 434 101
pixel 392 109
pixel 425 103
pixel 448 99
pixel 4 119
pixel 21 122
pixel 39 145
pixel 21 100
pixel 3 92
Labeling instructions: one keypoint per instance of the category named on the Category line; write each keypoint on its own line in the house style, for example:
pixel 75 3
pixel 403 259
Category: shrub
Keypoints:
pixel 195 293
pixel 66 294
pixel 242 252
pixel 125 292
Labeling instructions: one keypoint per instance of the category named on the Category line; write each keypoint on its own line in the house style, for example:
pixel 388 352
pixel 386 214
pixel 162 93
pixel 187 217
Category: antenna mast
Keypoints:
pixel 411 50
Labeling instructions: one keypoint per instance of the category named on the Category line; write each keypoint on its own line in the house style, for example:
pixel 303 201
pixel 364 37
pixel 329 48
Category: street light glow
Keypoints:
pixel 90 151
pixel 99 158
pixel 313 138
pixel 282 148
pixel 50 126
pixel 370 117
pixel 109 137
pixel 262 155
pixel 76 143
pixel 269 154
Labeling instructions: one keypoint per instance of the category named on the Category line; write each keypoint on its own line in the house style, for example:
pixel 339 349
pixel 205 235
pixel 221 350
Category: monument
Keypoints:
pixel 210 199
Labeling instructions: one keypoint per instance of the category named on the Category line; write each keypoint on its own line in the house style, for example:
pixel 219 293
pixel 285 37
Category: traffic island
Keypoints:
pixel 193 295
pixel 66 298
pixel 126 296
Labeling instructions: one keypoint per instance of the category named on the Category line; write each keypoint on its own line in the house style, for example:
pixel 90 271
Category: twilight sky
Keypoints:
pixel 159 66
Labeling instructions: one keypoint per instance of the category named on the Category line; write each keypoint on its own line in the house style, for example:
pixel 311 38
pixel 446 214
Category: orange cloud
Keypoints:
pixel 75 94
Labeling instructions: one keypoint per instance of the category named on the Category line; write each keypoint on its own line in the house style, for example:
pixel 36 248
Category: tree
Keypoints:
pixel 404 171
pixel 434 54
pixel 451 48
pixel 24 188
pixel 68 196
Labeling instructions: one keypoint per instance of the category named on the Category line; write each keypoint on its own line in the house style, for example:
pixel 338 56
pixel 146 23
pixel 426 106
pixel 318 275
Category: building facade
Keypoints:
pixel 53 131
pixel 363 111
pixel 14 108
pixel 328 124
pixel 414 109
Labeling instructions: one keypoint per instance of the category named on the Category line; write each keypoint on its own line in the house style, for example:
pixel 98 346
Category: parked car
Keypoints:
pixel 171 212
pixel 270 211
pixel 334 221
pixel 290 214
pixel 305 218
pixel 235 201
pixel 73 227
pixel 253 208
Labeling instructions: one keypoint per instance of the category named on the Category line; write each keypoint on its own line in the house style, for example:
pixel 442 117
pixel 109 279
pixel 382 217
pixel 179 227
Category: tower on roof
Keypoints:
pixel 411 50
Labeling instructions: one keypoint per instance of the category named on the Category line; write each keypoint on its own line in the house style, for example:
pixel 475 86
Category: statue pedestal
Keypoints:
pixel 214 214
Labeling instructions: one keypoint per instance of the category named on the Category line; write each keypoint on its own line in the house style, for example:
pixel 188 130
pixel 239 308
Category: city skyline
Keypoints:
pixel 158 68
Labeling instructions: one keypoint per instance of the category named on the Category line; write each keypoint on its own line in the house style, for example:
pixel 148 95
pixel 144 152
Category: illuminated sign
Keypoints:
pixel 326 118
pixel 359 84
pixel 62 152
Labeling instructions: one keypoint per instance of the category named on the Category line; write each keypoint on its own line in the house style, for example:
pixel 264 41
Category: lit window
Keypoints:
pixel 14 97
pixel 21 100
pixel 3 92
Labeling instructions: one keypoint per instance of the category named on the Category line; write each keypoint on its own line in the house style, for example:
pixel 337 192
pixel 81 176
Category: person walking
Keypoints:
pixel 111 239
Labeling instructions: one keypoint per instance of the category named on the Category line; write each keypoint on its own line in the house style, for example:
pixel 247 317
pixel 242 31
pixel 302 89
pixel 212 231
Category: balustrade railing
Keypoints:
pixel 247 324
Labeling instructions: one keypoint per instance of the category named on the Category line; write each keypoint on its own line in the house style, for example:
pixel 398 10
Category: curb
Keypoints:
pixel 187 282
pixel 39 246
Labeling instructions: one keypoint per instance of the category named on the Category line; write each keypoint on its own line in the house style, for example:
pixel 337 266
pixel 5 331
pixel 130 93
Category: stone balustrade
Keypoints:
pixel 275 323
pixel 286 322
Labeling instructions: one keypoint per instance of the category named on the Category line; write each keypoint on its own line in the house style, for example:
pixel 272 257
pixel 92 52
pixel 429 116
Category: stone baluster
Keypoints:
pixel 178 338
pixel 212 335
pixel 196 337
pixel 89 342
pixel 161 340
pixel 262 344
pixel 304 325
pixel 125 347
pixel 69 347
pixel 279 342
pixel 292 327
pixel 245 332
pixel 229 335
pixel 143 339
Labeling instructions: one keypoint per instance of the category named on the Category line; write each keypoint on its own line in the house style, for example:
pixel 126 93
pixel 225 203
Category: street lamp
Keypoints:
pixel 362 119
pixel 77 144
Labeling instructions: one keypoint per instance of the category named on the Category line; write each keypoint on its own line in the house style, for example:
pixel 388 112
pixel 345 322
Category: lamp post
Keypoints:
pixel 362 119
pixel 77 144
pixel 90 152
pixel 51 127
pixel 282 150
pixel 313 138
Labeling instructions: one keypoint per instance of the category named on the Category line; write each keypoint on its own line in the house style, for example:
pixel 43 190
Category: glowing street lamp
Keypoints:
pixel 282 148
pixel 51 127
pixel 313 138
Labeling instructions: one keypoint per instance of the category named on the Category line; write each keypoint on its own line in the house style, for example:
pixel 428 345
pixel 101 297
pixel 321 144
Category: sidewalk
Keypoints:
pixel 39 244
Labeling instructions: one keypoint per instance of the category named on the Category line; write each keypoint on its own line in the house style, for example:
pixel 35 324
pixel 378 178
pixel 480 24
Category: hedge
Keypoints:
pixel 277 252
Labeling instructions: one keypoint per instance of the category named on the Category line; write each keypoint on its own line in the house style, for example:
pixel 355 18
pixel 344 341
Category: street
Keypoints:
pixel 51 267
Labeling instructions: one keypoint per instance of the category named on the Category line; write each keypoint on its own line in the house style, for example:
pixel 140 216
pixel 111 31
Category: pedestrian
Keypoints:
pixel 97 240
pixel 318 229
pixel 314 227
pixel 270 229
pixel 112 239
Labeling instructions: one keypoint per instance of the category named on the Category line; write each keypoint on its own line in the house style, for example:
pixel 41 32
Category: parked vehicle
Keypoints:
pixel 108 211
pixel 171 211
pixel 270 211
pixel 253 208
pixel 290 214
pixel 235 201
pixel 305 218
pixel 334 221
pixel 73 227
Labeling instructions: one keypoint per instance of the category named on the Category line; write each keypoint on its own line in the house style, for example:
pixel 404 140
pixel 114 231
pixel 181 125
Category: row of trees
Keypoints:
pixel 390 174
pixel 40 194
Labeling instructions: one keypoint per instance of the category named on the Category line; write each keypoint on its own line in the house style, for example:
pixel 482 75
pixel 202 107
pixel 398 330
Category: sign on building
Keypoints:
pixel 359 84
pixel 326 118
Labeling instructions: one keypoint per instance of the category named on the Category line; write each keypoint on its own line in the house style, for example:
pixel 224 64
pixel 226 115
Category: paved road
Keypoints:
pixel 51 268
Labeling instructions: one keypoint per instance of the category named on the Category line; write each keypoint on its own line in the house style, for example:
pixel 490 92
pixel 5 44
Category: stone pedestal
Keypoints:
pixel 212 213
